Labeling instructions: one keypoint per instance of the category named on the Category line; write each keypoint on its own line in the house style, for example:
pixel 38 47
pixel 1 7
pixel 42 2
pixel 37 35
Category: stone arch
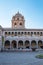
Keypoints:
pixel 27 44
pixel 40 44
pixel 14 44
pixel 7 44
pixel 20 44
pixel 33 44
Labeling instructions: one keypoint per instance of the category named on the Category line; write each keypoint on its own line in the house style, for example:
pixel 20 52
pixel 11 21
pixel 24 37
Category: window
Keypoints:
pixel 5 33
pixel 18 32
pixel 28 33
pixel 20 23
pixel 40 33
pixel 12 32
pixel 25 33
pixel 15 33
pixel 9 33
pixel 31 33
pixel 37 33
pixel 34 33
pixel 21 33
pixel 15 24
pixel 17 18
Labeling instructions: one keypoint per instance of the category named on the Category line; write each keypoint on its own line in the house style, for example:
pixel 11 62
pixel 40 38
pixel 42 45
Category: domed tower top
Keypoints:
pixel 18 14
pixel 18 21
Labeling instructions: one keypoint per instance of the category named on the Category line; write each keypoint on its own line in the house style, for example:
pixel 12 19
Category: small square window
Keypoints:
pixel 17 18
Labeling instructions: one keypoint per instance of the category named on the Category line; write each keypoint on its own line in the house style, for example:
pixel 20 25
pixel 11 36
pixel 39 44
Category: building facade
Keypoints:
pixel 18 37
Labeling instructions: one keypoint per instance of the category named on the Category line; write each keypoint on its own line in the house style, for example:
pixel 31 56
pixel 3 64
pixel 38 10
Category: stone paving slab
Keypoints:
pixel 20 58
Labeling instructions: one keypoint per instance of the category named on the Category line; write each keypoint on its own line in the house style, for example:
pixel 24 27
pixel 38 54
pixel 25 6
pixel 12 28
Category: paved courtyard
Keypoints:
pixel 20 58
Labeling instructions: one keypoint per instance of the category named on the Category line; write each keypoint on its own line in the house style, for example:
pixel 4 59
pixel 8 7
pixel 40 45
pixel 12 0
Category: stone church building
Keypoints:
pixel 18 37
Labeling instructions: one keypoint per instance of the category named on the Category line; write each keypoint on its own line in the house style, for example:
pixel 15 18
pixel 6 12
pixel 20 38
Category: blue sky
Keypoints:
pixel 32 10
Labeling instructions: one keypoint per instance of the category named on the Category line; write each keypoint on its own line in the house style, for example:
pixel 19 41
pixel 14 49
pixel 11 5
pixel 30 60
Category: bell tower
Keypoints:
pixel 18 21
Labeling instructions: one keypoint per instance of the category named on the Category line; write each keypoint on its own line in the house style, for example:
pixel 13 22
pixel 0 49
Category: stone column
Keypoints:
pixel 17 44
pixel 10 44
pixel 30 44
pixel 23 45
pixel 37 44
pixel 3 43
